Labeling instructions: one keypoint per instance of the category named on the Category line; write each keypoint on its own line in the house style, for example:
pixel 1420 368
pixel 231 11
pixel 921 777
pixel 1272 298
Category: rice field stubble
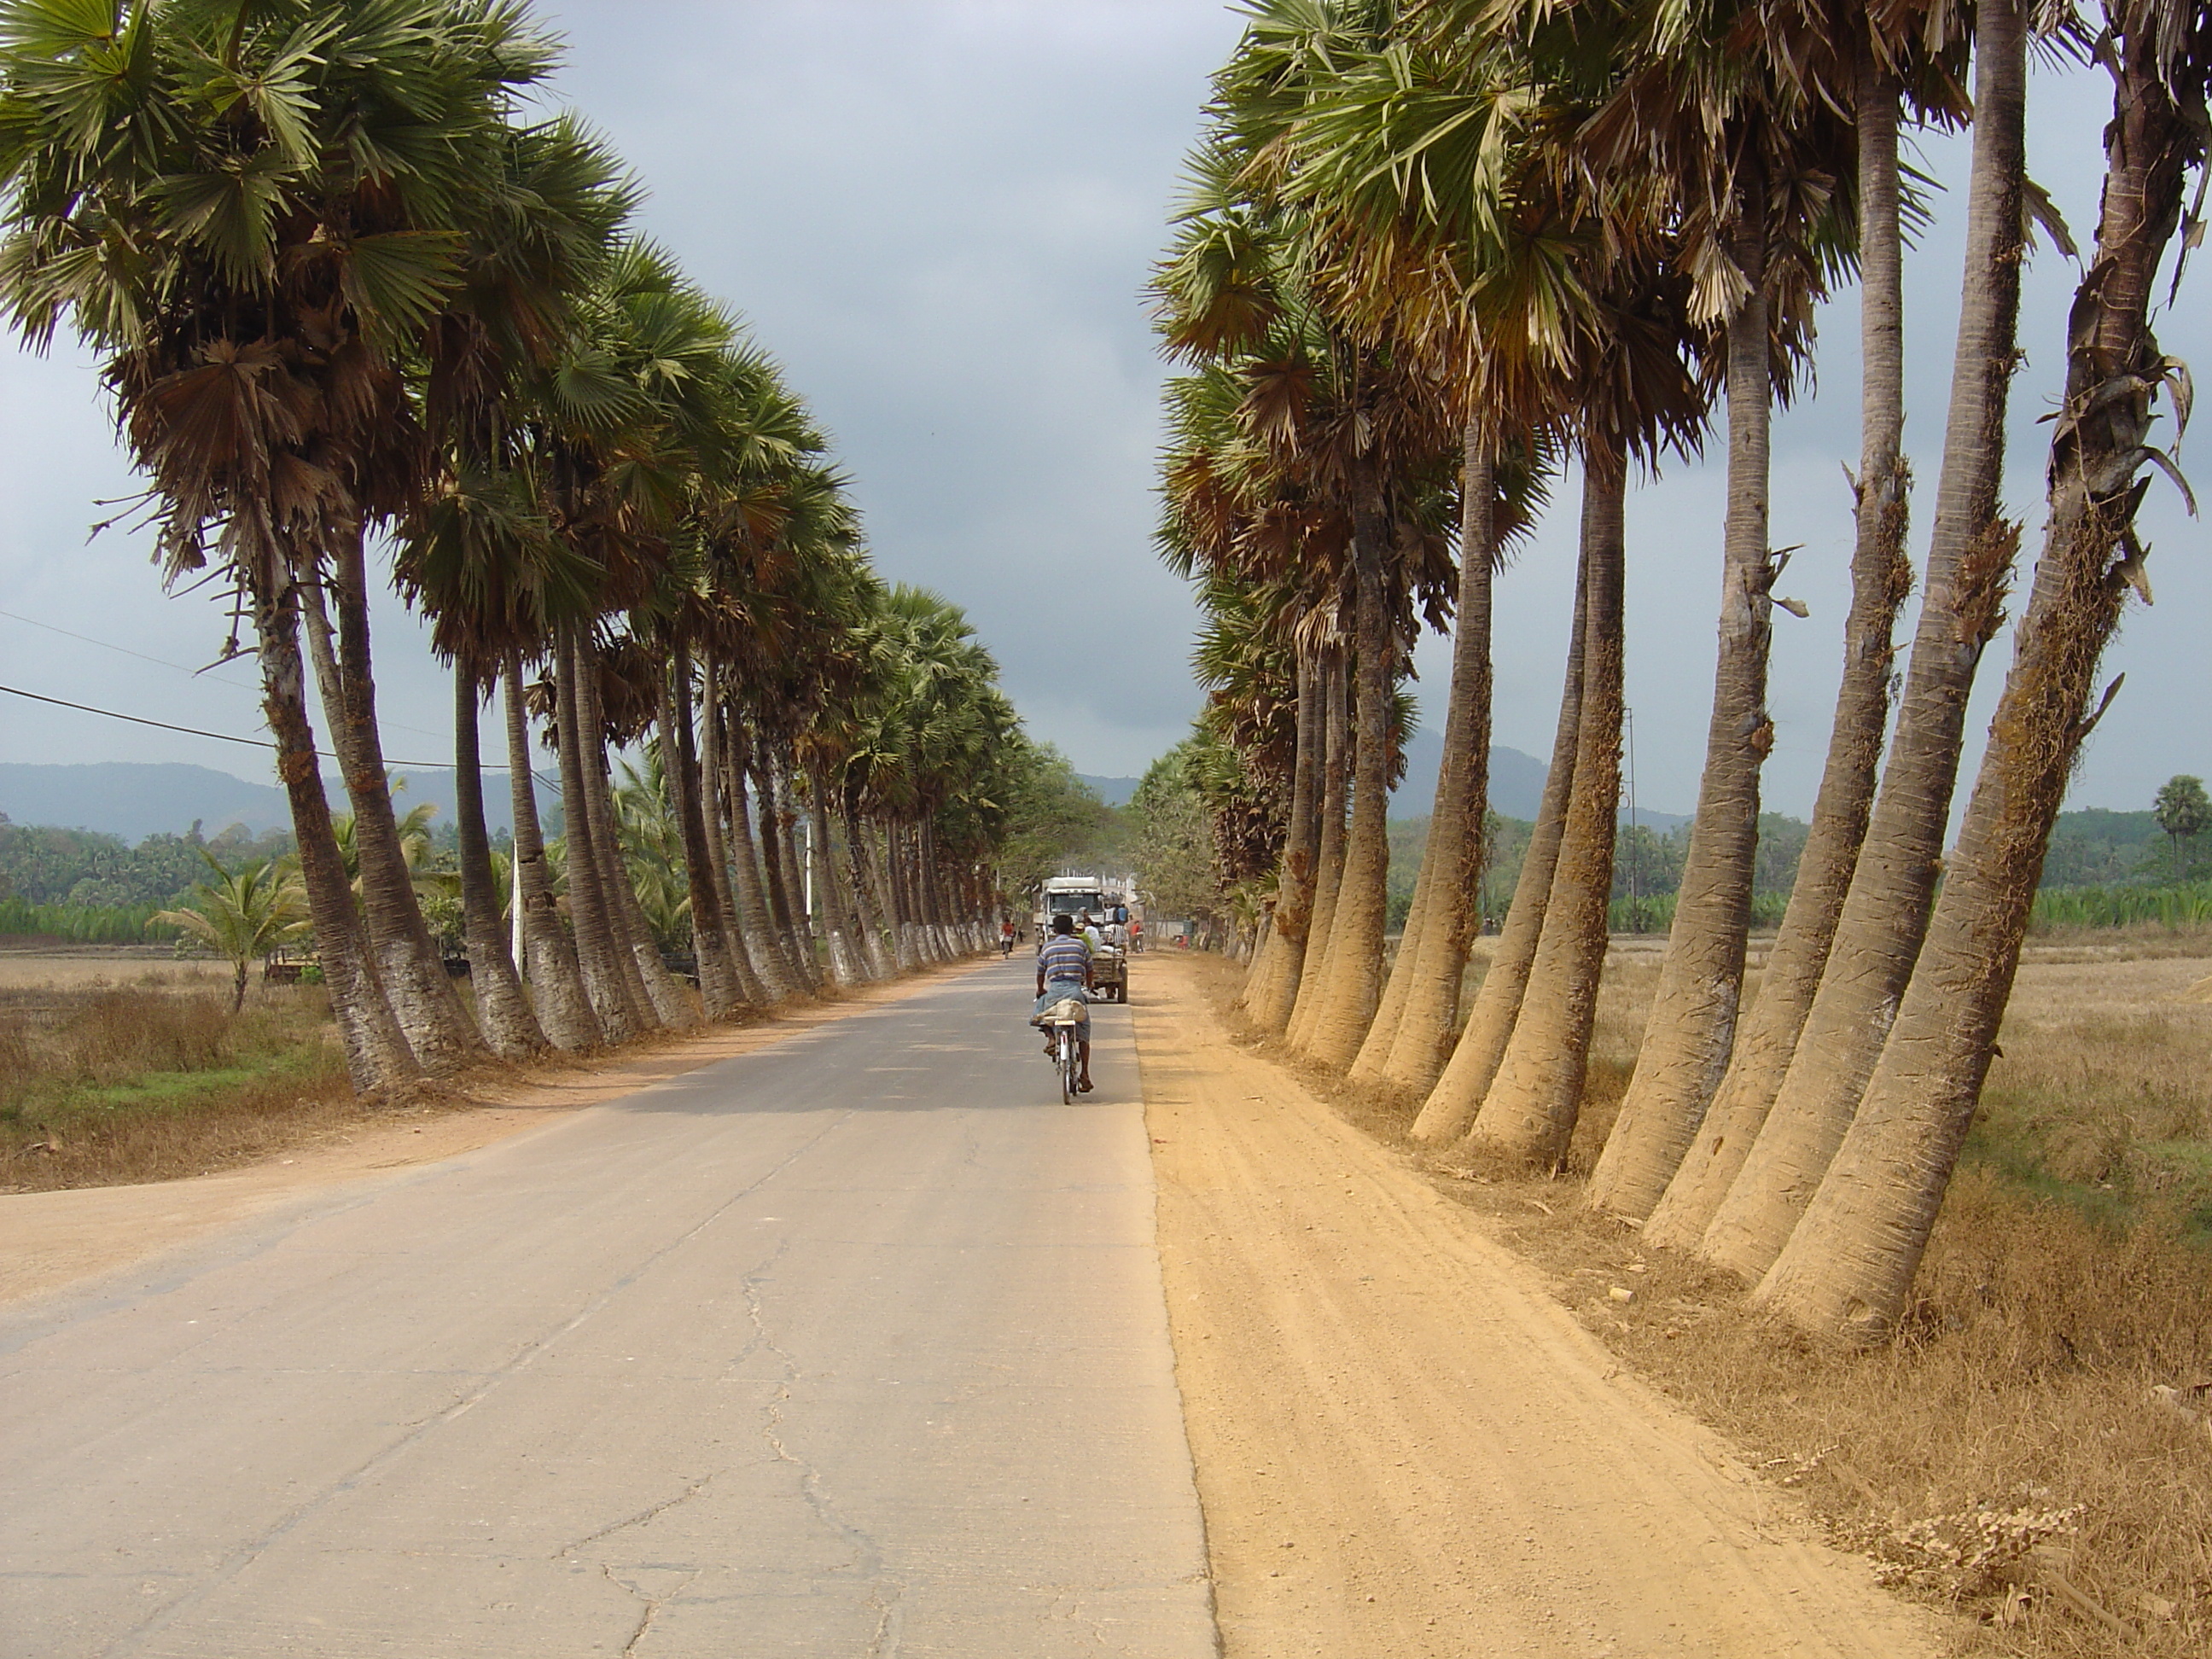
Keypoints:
pixel 112 1081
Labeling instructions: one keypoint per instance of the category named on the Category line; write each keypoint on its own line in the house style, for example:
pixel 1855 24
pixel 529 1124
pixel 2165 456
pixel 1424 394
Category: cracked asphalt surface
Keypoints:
pixel 852 1345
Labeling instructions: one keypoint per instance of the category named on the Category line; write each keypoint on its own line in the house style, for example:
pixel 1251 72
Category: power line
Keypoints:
pixel 109 645
pixel 250 743
pixel 190 674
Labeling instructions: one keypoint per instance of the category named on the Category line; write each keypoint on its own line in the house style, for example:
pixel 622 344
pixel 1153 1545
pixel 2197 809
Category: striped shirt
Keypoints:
pixel 1065 957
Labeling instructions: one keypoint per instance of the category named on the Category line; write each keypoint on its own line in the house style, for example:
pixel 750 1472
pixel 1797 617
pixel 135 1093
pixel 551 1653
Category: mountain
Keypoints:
pixel 1517 780
pixel 135 800
pixel 1516 784
pixel 1114 792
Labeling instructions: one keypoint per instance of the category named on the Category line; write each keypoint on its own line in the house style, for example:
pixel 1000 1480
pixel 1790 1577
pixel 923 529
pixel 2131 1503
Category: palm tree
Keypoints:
pixel 2183 812
pixel 243 914
pixel 477 553
pixel 1848 1268
pixel 1403 155
pixel 1878 937
pixel 1361 430
pixel 1230 515
pixel 562 1004
pixel 1734 114
pixel 250 213
pixel 1882 576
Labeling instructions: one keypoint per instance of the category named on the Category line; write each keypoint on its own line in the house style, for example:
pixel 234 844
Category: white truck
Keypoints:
pixel 1106 899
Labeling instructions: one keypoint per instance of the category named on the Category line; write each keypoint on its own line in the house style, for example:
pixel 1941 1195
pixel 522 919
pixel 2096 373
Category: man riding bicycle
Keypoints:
pixel 1063 975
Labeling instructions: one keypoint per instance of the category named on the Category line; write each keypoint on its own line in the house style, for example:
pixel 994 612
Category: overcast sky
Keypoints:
pixel 939 215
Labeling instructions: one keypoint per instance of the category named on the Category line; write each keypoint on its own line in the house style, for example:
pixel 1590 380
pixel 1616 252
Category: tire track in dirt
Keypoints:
pixel 1404 1445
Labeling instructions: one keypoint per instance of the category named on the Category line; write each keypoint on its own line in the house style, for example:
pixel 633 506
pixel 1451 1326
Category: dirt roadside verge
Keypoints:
pixel 49 1240
pixel 1404 1445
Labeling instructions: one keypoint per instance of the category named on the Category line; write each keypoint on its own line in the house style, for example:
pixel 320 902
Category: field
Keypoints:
pixel 121 1067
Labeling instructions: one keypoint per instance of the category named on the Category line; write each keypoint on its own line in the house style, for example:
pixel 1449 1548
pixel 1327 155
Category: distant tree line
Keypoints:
pixel 87 869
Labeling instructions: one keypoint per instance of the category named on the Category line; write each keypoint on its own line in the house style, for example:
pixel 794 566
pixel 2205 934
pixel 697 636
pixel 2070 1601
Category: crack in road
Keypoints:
pixel 651 1512
pixel 867 1554
pixel 526 1354
pixel 652 1604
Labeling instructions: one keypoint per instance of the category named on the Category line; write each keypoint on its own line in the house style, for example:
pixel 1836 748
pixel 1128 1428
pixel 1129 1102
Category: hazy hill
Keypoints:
pixel 1114 792
pixel 1516 784
pixel 135 800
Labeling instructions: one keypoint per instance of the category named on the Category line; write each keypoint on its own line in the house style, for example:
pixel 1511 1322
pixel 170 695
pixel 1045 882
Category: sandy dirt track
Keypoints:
pixel 50 1240
pixel 1404 1445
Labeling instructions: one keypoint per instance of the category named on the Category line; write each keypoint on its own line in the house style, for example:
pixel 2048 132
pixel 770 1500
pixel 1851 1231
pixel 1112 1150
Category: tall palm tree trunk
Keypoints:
pixel 1849 1266
pixel 720 995
pixel 863 877
pixel 1355 955
pixel 1691 1031
pixel 1448 907
pixel 845 970
pixel 899 868
pixel 557 981
pixel 670 1003
pixel 1530 1111
pixel 789 912
pixel 502 1010
pixel 764 938
pixel 1459 1092
pixel 1329 857
pixel 714 805
pixel 376 1051
pixel 931 883
pixel 1290 932
pixel 1271 987
pixel 1397 986
pixel 408 964
pixel 618 1004
pixel 1970 557
pixel 1882 576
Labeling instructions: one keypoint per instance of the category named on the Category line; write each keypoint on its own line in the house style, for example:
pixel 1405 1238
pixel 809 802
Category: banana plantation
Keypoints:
pixel 366 316
pixel 1442 262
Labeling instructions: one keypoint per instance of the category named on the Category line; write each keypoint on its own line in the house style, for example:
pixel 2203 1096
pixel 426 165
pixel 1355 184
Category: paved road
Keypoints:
pixel 854 1346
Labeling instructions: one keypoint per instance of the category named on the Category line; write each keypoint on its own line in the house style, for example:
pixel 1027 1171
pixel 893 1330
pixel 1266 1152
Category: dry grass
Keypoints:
pixel 2035 1449
pixel 105 1084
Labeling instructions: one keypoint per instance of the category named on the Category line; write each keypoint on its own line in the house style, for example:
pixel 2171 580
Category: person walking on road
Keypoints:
pixel 1063 975
pixel 1006 937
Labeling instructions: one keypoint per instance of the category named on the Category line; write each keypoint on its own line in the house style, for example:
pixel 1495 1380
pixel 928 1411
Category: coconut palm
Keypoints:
pixel 243 914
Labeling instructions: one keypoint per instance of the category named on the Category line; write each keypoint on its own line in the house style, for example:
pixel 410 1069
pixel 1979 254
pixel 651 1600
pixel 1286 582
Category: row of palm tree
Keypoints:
pixel 1437 250
pixel 352 295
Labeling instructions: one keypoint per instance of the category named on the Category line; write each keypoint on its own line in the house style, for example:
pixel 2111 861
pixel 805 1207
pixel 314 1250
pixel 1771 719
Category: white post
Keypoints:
pixel 514 905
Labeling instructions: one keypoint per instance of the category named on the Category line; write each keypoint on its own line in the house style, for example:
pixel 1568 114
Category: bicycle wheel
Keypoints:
pixel 1067 1057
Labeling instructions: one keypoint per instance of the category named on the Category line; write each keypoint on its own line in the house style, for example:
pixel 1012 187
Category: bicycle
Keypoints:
pixel 1066 1027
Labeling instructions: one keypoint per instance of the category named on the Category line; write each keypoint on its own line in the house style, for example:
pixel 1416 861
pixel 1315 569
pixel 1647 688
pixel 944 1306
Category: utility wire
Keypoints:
pixel 250 743
pixel 109 645
pixel 189 673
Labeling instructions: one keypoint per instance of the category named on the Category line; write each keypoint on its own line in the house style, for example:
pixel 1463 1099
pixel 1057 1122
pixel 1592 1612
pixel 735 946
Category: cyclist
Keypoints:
pixel 1063 974
pixel 1006 937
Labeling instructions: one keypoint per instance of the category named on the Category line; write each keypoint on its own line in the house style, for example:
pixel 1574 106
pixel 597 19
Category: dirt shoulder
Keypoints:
pixel 51 1239
pixel 1404 1444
